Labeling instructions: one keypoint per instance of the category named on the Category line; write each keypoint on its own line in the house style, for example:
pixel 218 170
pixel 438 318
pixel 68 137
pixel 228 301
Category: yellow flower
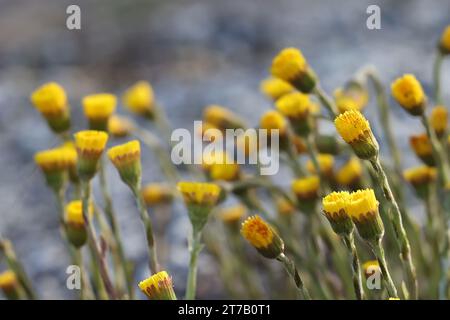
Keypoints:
pixel 335 209
pixel 119 126
pixel 273 120
pixel 220 166
pixel 222 118
pixel 75 226
pixel 371 267
pixel 90 145
pixel 362 207
pixel 275 88
pixel 409 94
pixel 262 236
pixel 127 159
pixel 353 97
pixel 306 188
pixel 326 162
pixel 209 132
pixel 354 128
pixel 420 175
pixel 99 106
pixel 158 287
pixel 290 65
pixel 444 44
pixel 350 173
pixel 156 193
pixel 439 119
pixel 140 99
pixel 199 193
pixel 8 280
pixel 57 159
pixel 284 207
pixel 422 148
pixel 296 106
pixel 232 215
pixel 51 101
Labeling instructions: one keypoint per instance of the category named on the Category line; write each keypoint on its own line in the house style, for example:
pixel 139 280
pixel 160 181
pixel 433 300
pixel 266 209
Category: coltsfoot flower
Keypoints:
pixel 75 224
pixel 90 145
pixel 199 198
pixel 420 178
pixel 231 216
pixel 291 66
pixel 55 164
pixel 353 96
pixel 127 160
pixel 354 128
pixel 444 43
pixel 119 126
pixel 273 120
pixel 98 108
pixel 307 192
pixel 335 210
pixel 157 193
pixel 275 88
pixel 439 120
pixel 296 107
pixel 222 118
pixel 371 267
pixel 220 166
pixel 422 148
pixel 158 287
pixel 140 99
pixel 349 175
pixel 362 206
pixel 51 101
pixel 9 284
pixel 263 237
pixel 409 94
pixel 326 163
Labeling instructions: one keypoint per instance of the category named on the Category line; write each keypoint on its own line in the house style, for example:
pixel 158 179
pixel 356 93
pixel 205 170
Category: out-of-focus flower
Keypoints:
pixel 326 163
pixel 335 209
pixel 273 120
pixel 444 43
pixel 284 207
pixel 371 267
pixel 327 144
pixel 220 166
pixel 296 107
pixel 306 191
pixel 222 118
pixel 291 66
pixel 275 88
pixel 362 206
pixel 231 216
pixel 9 284
pixel 439 120
pixel 119 126
pixel 299 144
pixel 263 237
pixel 409 94
pixel 353 96
pixel 140 99
pixel 158 287
pixel 73 174
pixel 98 108
pixel 127 160
pixel 156 194
pixel 422 148
pixel 75 226
pixel 350 173
pixel 420 178
pixel 209 132
pixel 55 164
pixel 51 101
pixel 90 145
pixel 354 128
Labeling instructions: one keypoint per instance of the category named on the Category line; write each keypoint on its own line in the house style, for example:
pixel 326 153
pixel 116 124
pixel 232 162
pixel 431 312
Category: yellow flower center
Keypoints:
pixel 335 201
pixel 351 125
pixel 257 232
pixel 362 202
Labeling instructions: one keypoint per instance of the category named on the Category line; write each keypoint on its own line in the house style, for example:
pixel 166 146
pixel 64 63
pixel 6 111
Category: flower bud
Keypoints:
pixel 158 287
pixel 222 118
pixel 98 108
pixel 444 43
pixel 156 194
pixel 296 107
pixel 75 224
pixel 140 99
pixel 326 163
pixel 350 174
pixel 55 164
pixel 127 160
pixel 353 96
pixel 119 127
pixel 409 94
pixel 420 178
pixel 439 120
pixel 422 148
pixel 275 88
pixel 335 210
pixel 307 192
pixel 90 145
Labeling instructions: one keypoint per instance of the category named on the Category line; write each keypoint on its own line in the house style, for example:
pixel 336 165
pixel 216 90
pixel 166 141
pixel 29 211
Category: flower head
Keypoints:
pixel 444 44
pixel 326 163
pixel 262 236
pixel 140 99
pixel 222 118
pixel 75 223
pixel 220 166
pixel 350 173
pixel 354 128
pixel 409 94
pixel 98 108
pixel 284 207
pixel 335 209
pixel 232 215
pixel 353 97
pixel 362 207
pixel 273 120
pixel 275 88
pixel 157 193
pixel 119 126
pixel 291 66
pixel 306 188
pixel 422 148
pixel 158 287
pixel 51 101
pixel 439 120
pixel 89 145
pixel 420 178
pixel 296 106
pixel 55 163
pixel 127 160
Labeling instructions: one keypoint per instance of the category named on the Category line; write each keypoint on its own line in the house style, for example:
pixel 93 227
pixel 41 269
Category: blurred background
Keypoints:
pixel 194 53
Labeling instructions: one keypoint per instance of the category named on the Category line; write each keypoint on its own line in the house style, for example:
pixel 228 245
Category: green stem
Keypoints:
pixel 293 272
pixel 437 67
pixel 378 251
pixel 312 150
pixel 349 241
pixel 194 248
pixel 396 218
pixel 326 101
